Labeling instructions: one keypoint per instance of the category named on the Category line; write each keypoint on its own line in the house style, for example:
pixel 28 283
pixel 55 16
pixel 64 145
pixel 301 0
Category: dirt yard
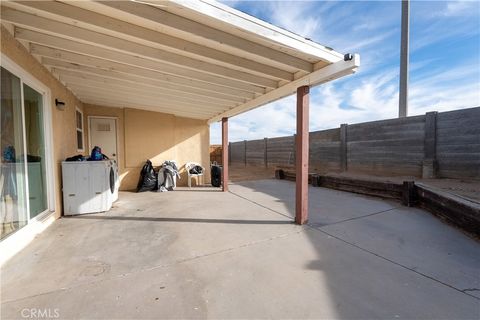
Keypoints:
pixel 241 173
pixel 469 189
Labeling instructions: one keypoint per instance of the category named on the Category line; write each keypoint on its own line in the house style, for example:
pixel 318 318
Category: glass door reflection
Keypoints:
pixel 13 199
pixel 35 140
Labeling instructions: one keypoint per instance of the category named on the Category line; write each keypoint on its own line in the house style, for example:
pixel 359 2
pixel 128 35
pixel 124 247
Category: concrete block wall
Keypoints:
pixel 280 151
pixel 255 152
pixel 387 147
pixel 237 153
pixel 325 151
pixel 444 145
pixel 458 143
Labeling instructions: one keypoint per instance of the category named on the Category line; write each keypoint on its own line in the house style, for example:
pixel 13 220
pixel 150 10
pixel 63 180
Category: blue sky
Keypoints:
pixel 444 61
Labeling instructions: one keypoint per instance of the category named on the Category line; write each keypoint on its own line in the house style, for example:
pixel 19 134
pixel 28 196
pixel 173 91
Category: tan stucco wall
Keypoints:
pixel 156 136
pixel 142 135
pixel 63 122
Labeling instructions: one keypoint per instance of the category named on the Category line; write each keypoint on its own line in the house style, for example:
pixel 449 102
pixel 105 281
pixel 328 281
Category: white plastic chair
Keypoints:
pixel 190 165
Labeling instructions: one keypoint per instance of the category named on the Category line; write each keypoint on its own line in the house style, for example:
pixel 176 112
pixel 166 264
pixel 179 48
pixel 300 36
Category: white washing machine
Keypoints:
pixel 89 186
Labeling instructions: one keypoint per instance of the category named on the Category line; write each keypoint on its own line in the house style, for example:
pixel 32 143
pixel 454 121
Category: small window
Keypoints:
pixel 79 122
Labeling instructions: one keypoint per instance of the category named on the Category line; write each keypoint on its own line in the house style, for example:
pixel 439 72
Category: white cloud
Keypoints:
pixel 460 8
pixel 373 98
pixel 443 90
pixel 372 94
pixel 294 17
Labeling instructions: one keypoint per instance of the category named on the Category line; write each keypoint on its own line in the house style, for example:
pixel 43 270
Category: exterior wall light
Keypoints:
pixel 60 104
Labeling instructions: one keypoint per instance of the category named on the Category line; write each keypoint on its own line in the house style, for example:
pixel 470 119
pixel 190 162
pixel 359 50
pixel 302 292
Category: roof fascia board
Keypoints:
pixel 328 73
pixel 251 24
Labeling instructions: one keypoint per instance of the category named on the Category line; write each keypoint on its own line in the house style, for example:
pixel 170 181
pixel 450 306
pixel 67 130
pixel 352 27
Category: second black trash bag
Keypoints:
pixel 148 178
pixel 216 176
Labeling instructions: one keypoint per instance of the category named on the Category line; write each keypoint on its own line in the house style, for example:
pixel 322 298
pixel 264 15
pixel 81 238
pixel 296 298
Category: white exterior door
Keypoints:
pixel 103 133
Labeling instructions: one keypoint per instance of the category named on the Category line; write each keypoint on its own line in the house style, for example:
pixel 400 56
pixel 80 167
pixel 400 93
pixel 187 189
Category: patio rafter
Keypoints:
pixel 190 54
pixel 116 56
pixel 117 92
pixel 164 105
pixel 132 78
pixel 75 16
pixel 115 44
pixel 84 78
pixel 158 18
pixel 128 102
pixel 77 60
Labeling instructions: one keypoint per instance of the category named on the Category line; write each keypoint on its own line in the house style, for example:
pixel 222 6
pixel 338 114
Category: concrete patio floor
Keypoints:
pixel 200 253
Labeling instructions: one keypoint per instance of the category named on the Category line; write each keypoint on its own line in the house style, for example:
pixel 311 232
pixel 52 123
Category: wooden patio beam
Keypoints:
pixel 333 71
pixel 301 190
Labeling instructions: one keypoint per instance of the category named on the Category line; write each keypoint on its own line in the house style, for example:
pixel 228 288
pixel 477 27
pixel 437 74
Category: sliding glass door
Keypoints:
pixel 23 185
pixel 13 192
pixel 35 140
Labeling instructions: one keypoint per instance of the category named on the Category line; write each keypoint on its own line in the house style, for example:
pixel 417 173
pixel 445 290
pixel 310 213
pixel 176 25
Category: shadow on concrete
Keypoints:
pixel 199 190
pixel 401 263
pixel 185 189
pixel 221 221
pixel 379 247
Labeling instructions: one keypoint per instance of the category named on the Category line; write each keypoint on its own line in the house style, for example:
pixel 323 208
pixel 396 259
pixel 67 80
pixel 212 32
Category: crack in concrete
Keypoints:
pixel 245 245
pixel 261 205
pixel 396 263
pixel 314 224
pixel 317 227
pixel 320 225
pixel 249 244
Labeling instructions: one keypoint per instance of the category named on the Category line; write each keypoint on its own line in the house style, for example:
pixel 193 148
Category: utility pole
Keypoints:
pixel 403 94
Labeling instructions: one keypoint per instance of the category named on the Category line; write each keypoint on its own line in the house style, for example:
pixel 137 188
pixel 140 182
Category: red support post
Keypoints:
pixel 301 190
pixel 225 154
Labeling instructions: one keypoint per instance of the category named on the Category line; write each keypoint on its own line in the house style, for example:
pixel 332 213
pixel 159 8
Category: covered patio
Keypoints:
pixel 239 255
pixel 197 60
pixel 163 71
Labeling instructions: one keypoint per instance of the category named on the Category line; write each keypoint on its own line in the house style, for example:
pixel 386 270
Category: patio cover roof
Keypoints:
pixel 198 59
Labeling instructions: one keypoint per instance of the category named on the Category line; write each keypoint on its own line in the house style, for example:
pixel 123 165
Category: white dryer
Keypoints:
pixel 89 186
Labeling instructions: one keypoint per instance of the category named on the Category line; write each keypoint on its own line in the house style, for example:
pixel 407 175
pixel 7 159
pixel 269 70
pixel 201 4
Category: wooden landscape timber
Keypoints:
pixel 455 210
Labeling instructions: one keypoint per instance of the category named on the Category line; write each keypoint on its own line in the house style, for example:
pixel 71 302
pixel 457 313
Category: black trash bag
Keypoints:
pixel 148 178
pixel 196 170
pixel 216 176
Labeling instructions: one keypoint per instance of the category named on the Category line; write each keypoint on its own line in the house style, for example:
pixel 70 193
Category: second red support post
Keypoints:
pixel 225 154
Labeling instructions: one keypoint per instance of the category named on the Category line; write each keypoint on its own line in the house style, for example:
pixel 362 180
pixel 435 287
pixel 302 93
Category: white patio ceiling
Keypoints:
pixel 192 58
